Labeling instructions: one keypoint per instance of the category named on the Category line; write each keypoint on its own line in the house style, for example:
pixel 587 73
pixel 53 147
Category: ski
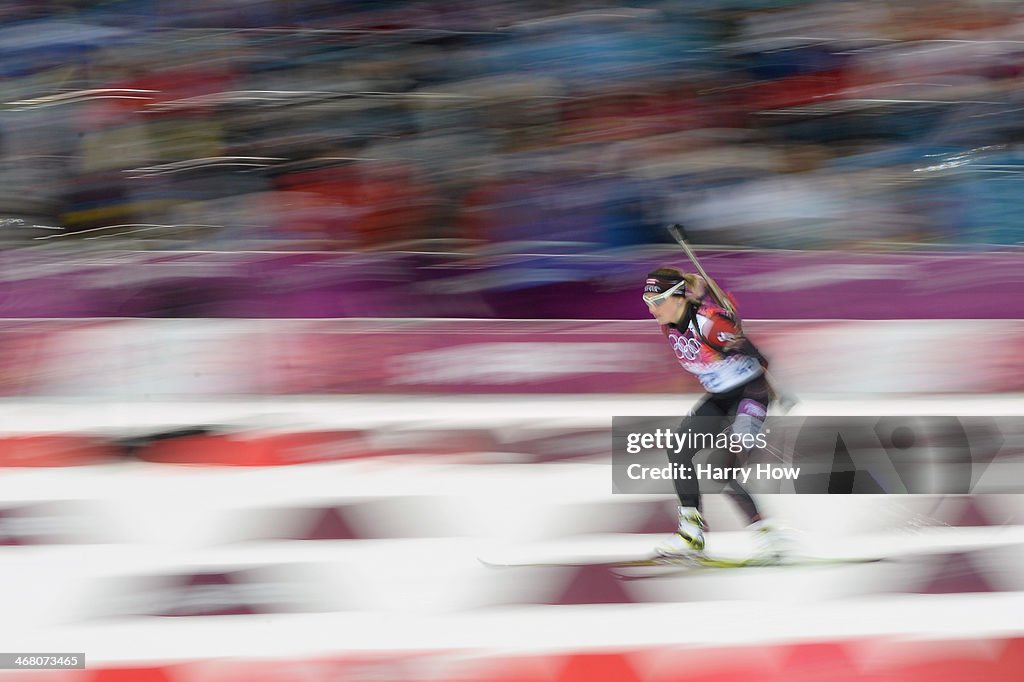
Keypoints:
pixel 666 568
pixel 705 561
pixel 697 561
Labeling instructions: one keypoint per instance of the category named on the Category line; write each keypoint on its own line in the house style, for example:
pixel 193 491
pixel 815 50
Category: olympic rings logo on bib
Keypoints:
pixel 686 348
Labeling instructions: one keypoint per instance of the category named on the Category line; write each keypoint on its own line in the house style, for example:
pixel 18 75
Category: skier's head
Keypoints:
pixel 667 292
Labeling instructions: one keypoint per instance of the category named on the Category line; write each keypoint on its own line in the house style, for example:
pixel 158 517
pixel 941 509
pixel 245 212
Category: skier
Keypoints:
pixel 708 342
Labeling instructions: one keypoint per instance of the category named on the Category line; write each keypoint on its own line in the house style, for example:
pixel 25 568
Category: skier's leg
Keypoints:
pixel 750 413
pixel 706 417
pixel 749 419
pixel 689 536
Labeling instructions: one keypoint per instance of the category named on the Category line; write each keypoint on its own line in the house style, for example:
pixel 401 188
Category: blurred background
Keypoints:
pixel 328 159
pixel 308 305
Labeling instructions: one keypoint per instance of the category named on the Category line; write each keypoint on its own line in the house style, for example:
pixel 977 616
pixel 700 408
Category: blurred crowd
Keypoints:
pixel 316 125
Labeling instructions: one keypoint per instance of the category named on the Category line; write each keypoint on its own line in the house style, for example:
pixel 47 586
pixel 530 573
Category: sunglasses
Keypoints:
pixel 657 299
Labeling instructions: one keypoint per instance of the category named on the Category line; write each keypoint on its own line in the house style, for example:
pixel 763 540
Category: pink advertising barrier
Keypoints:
pixel 150 359
pixel 513 282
